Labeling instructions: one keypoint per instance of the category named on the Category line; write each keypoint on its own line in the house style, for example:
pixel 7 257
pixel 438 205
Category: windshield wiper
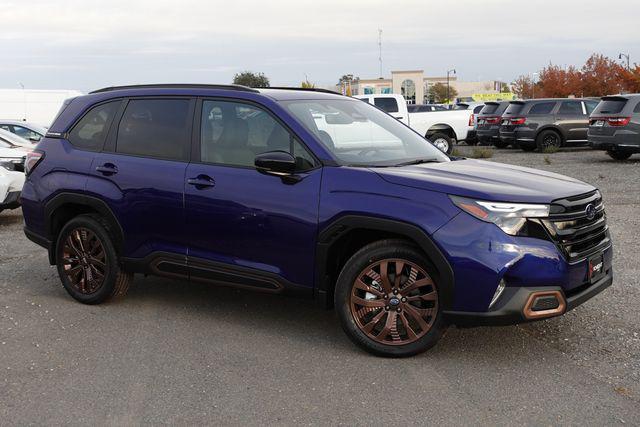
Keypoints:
pixel 418 161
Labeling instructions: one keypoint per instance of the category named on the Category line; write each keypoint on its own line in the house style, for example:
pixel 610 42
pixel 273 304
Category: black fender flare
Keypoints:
pixel 94 203
pixel 332 232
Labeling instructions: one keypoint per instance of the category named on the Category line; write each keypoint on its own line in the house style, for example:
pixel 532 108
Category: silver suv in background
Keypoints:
pixel 614 126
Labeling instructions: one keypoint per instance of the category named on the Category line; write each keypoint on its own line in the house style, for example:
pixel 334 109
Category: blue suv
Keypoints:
pixel 310 193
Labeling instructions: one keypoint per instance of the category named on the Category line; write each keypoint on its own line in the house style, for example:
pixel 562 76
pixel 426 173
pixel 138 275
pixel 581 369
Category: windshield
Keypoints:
pixel 359 134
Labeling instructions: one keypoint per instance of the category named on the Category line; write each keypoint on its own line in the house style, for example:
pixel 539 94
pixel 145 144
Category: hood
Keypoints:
pixel 486 181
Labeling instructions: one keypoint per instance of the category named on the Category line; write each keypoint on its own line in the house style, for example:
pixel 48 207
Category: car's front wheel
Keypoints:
pixel 387 300
pixel 88 263
pixel 619 155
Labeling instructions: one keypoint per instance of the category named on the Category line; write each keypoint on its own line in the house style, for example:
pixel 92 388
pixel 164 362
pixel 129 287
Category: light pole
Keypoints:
pixel 453 71
pixel 626 56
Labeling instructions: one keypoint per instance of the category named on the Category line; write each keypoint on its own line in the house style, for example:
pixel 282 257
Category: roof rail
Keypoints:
pixel 309 89
pixel 177 86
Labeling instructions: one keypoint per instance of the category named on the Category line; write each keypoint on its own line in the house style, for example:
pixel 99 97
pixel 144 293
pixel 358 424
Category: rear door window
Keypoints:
pixel 390 105
pixel 610 106
pixel 90 132
pixel 570 108
pixel 158 128
pixel 542 108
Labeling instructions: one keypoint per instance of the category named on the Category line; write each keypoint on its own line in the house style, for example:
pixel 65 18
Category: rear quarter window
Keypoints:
pixel 637 109
pixel 513 109
pixel 610 106
pixel 90 132
pixel 489 108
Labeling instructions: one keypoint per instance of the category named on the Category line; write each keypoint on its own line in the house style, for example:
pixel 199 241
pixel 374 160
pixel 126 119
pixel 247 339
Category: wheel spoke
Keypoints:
pixel 373 322
pixel 399 268
pixel 413 312
pixel 417 284
pixel 431 296
pixel 410 332
pixel 389 325
pixel 368 302
pixel 384 276
pixel 363 286
pixel 71 245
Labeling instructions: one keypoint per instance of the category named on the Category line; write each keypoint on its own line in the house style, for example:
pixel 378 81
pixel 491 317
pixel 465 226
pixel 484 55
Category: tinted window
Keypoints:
pixel 637 109
pixel 542 108
pixel 591 105
pixel 387 104
pixel 233 133
pixel 610 106
pixel 477 109
pixel 90 132
pixel 155 128
pixel 513 108
pixel 573 108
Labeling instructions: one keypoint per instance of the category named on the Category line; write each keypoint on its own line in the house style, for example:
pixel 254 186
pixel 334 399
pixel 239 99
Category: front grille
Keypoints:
pixel 576 233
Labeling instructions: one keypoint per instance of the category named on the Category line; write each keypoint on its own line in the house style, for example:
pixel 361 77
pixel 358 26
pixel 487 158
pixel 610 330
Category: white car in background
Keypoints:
pixel 29 131
pixel 11 182
pixel 13 149
pixel 441 128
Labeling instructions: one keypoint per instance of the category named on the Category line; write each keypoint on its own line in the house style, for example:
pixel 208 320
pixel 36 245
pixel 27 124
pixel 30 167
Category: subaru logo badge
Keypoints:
pixel 394 301
pixel 590 211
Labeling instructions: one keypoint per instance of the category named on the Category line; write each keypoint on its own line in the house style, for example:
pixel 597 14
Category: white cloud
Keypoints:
pixel 124 40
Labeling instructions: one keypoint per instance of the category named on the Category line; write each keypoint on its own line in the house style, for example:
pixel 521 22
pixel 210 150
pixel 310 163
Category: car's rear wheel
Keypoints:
pixel 619 155
pixel 501 144
pixel 387 300
pixel 548 139
pixel 442 142
pixel 88 263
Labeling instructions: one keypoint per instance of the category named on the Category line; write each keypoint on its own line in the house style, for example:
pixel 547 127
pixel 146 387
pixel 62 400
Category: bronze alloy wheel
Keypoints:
pixel 84 260
pixel 394 302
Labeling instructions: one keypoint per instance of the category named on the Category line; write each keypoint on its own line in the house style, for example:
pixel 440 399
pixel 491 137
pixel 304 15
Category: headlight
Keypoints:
pixel 510 217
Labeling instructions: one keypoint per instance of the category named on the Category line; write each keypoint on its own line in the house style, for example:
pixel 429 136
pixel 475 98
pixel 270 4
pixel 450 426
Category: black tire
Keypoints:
pixel 390 249
pixel 548 138
pixel 500 144
pixel 442 141
pixel 619 155
pixel 114 283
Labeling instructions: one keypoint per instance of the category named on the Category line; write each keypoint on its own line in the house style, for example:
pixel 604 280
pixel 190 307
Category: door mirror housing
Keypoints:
pixel 275 163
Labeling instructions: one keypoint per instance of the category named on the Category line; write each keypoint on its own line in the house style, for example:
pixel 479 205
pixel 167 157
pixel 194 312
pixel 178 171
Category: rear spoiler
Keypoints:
pixel 614 98
pixel 516 102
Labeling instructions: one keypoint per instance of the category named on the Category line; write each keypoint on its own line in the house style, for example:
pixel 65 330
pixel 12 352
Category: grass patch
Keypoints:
pixel 456 152
pixel 547 160
pixel 550 150
pixel 482 153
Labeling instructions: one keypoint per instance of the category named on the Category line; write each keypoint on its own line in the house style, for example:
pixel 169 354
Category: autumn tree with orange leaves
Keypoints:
pixel 599 76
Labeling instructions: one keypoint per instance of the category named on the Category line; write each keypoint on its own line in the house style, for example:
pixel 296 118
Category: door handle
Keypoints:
pixel 107 169
pixel 201 181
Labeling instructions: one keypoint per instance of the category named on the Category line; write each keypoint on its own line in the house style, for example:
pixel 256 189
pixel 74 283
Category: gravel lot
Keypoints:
pixel 179 353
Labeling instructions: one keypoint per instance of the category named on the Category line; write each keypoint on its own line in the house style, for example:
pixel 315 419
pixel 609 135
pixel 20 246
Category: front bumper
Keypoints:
pixel 514 300
pixel 11 201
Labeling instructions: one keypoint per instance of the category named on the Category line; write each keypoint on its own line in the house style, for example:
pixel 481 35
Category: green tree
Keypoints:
pixel 439 93
pixel 307 85
pixel 251 79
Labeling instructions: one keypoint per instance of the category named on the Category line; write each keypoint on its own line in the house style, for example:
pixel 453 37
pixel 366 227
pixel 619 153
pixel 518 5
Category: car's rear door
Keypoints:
pixel 140 173
pixel 244 227
pixel 572 118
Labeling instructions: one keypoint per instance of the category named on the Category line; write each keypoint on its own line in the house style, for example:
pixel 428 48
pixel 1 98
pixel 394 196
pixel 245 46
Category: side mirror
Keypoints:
pixel 35 139
pixel 275 163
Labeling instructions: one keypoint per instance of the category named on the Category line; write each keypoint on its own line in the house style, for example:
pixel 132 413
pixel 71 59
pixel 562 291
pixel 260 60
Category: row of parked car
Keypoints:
pixel 17 139
pixel 611 124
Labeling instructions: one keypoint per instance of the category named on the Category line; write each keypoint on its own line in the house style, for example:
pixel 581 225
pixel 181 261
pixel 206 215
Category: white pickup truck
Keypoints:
pixel 442 128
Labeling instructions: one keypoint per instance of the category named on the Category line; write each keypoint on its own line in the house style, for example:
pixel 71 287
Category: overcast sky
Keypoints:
pixel 74 44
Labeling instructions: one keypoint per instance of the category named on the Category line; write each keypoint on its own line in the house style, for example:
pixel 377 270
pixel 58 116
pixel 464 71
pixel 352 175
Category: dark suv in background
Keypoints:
pixel 543 123
pixel 489 120
pixel 614 126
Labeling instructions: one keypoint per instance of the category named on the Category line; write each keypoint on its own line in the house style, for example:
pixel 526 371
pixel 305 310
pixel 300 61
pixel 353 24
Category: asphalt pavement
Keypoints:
pixel 192 354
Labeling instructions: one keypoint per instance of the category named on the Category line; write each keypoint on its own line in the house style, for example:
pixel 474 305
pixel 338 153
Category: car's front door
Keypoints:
pixel 245 227
pixel 573 119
